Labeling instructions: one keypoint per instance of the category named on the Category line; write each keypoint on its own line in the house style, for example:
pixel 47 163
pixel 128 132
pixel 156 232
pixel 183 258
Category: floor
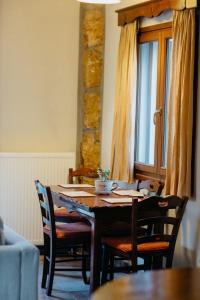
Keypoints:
pixel 67 286
pixel 70 286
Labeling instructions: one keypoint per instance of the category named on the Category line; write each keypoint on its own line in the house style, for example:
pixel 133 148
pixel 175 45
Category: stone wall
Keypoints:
pixel 92 18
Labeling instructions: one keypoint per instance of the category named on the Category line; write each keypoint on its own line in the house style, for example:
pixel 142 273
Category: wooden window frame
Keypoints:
pixel 152 9
pixel 161 33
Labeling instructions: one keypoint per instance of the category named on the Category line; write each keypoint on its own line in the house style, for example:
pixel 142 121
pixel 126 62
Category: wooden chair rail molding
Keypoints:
pixel 152 9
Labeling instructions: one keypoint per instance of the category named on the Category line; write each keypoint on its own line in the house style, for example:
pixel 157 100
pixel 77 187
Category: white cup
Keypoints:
pixel 105 187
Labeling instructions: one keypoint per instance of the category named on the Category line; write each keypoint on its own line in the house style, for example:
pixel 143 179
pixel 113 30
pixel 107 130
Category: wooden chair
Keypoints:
pixel 79 174
pixel 153 187
pixel 58 237
pixel 62 214
pixel 127 186
pixel 156 242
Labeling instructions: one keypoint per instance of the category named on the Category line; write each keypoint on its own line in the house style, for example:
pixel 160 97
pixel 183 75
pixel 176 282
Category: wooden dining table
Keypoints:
pixel 171 284
pixel 100 214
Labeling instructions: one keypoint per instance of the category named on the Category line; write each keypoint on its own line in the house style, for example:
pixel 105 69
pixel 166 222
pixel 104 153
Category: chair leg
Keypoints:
pixel 147 263
pixel 51 271
pixel 157 262
pixel 169 261
pixel 111 265
pixel 84 267
pixel 105 262
pixel 45 272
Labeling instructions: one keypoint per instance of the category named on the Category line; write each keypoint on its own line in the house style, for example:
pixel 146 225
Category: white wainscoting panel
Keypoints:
pixel 19 205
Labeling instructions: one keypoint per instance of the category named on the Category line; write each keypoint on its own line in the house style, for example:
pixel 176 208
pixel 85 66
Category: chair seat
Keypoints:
pixel 71 230
pixel 71 216
pixel 124 244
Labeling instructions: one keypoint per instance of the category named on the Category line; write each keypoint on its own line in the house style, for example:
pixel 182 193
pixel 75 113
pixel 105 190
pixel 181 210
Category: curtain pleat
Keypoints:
pixel 180 116
pixel 122 156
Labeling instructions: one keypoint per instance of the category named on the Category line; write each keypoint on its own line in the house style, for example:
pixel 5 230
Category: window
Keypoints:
pixel 154 65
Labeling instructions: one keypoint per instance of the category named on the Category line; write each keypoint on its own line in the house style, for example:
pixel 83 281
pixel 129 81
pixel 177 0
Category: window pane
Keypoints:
pixel 166 100
pixel 146 102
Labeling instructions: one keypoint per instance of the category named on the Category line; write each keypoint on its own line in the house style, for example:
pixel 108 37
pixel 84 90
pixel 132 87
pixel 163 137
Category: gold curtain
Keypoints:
pixel 180 117
pixel 122 156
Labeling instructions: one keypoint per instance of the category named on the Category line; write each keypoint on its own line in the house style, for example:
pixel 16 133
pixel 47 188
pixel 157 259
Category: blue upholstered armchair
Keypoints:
pixel 19 262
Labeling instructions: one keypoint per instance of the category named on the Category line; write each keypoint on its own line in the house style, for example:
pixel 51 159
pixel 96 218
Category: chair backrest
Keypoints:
pixel 81 173
pixel 153 187
pixel 127 186
pixel 46 207
pixel 161 217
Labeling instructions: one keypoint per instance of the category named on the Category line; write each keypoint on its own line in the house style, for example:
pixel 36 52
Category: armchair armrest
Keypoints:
pixel 19 263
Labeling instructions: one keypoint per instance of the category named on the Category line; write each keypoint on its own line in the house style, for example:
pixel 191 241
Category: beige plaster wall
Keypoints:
pixel 39 42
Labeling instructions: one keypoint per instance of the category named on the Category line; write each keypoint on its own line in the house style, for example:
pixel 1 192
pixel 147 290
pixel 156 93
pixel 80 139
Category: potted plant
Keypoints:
pixel 103 174
pixel 104 185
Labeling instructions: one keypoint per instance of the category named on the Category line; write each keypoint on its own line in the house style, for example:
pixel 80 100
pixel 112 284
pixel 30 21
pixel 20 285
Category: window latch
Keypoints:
pixel 157 112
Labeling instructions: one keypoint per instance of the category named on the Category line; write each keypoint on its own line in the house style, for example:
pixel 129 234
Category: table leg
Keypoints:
pixel 95 262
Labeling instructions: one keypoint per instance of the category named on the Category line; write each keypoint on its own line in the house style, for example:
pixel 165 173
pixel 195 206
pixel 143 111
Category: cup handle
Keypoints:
pixel 115 186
